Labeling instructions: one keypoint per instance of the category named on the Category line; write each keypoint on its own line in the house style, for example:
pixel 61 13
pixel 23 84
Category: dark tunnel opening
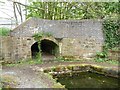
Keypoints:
pixel 34 50
pixel 48 48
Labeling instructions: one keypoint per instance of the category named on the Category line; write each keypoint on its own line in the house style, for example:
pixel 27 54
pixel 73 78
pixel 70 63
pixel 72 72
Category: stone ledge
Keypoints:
pixel 83 68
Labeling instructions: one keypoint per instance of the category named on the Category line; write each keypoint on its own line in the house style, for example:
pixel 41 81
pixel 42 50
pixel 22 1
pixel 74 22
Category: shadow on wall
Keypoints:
pixel 34 50
pixel 48 48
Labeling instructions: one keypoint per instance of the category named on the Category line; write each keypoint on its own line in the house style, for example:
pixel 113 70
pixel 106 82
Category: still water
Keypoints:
pixel 87 80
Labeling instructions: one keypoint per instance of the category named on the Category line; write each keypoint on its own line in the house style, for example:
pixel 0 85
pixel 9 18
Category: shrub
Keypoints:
pixel 4 31
pixel 111 31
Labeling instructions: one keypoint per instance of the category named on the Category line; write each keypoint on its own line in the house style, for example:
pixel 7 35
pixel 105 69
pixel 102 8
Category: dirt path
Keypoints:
pixel 47 56
pixel 27 76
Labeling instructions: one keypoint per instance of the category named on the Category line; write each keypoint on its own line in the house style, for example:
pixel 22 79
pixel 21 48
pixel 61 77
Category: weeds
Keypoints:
pixel 113 62
pixel 28 61
pixel 4 31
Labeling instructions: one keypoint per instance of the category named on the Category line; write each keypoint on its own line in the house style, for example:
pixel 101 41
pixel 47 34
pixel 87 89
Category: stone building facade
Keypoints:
pixel 70 39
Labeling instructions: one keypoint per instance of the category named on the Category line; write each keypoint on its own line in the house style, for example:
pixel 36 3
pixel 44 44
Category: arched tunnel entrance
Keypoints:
pixel 34 50
pixel 49 49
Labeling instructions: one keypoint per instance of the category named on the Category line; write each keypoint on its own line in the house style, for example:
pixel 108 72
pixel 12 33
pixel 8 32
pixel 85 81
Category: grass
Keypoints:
pixel 60 59
pixel 113 62
pixel 104 60
pixel 4 31
pixel 28 61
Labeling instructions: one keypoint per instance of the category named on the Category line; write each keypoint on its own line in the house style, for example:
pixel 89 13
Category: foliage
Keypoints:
pixel 48 34
pixel 38 36
pixel 4 31
pixel 22 62
pixel 112 38
pixel 113 62
pixel 72 10
pixel 100 59
pixel 112 34
pixel 115 48
pixel 35 61
pixel 101 54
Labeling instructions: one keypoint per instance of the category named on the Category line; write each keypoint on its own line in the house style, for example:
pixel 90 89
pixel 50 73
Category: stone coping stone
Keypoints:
pixel 113 72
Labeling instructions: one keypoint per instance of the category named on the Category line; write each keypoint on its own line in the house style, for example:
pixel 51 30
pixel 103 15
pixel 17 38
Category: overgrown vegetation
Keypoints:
pixel 4 31
pixel 101 56
pixel 38 36
pixel 23 62
pixel 111 29
pixel 73 10
pixel 112 33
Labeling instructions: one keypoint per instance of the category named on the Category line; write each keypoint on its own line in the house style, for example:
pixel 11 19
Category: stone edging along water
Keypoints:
pixel 76 68
pixel 113 72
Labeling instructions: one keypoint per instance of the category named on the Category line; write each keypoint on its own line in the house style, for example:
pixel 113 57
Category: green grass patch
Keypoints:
pixel 113 62
pixel 4 31
pixel 23 62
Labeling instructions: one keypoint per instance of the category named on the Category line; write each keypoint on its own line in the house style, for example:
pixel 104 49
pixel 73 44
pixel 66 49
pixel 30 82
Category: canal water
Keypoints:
pixel 87 80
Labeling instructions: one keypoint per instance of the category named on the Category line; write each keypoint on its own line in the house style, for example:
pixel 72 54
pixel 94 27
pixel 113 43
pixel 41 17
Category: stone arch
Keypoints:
pixel 48 46
pixel 50 39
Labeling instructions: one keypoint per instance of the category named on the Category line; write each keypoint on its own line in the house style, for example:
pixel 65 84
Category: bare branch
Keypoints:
pixel 15 13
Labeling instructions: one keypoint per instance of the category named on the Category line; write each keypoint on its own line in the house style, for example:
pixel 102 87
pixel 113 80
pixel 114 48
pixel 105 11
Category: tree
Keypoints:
pixel 72 10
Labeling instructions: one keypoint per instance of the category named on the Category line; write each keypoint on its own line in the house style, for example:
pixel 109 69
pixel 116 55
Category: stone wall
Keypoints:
pixel 80 47
pixel 18 48
pixel 76 38
pixel 15 48
pixel 61 28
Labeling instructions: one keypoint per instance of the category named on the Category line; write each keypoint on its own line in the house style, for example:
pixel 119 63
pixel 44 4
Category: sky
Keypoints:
pixel 6 12
pixel 6 8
